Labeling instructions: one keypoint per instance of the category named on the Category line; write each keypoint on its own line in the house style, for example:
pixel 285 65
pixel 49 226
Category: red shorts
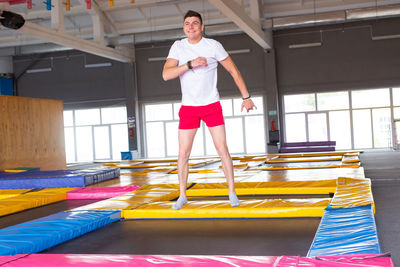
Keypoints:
pixel 190 116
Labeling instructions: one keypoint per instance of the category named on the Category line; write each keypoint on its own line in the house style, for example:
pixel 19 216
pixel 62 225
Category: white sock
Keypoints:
pixel 234 200
pixel 179 203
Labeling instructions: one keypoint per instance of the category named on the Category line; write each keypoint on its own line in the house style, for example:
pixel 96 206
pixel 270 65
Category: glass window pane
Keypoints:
pixel 171 130
pixel 234 135
pixel 255 134
pixel 333 101
pixel 299 103
pixel 339 127
pixel 210 148
pixel 258 101
pixel 198 143
pixel 102 142
pixel 177 106
pixel 370 98
pixel 362 128
pixel 397 139
pixel 382 127
pixel 87 116
pixel 84 143
pixel 396 96
pixel 68 118
pixel 119 140
pixel 396 113
pixel 227 108
pixel 317 127
pixel 113 115
pixel 295 126
pixel 155 139
pixel 69 144
pixel 158 112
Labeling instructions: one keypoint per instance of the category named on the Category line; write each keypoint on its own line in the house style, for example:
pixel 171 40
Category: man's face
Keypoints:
pixel 192 27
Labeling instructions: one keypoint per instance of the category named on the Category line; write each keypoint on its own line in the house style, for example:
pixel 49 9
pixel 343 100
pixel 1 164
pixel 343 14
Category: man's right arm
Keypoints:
pixel 171 69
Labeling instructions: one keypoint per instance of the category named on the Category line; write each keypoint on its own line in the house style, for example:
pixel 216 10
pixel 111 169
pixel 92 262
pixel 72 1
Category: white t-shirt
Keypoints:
pixel 199 85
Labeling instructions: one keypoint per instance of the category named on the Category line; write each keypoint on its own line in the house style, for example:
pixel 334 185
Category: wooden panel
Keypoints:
pixel 31 133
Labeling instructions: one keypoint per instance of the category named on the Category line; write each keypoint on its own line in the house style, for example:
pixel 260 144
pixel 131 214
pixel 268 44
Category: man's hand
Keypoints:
pixel 248 105
pixel 200 61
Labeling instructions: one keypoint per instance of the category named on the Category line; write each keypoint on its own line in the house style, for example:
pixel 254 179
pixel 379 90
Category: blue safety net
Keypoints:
pixel 346 231
pixel 38 235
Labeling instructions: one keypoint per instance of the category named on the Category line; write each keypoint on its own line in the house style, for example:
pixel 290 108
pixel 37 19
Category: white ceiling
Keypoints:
pixel 153 20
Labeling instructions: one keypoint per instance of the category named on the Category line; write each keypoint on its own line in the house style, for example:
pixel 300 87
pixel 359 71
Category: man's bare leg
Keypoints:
pixel 185 138
pixel 219 138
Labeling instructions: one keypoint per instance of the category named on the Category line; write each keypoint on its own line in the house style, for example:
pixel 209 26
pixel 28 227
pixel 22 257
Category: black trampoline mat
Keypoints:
pixel 263 237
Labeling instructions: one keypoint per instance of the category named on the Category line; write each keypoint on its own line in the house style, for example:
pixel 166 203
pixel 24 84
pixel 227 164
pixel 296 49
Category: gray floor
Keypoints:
pixel 383 168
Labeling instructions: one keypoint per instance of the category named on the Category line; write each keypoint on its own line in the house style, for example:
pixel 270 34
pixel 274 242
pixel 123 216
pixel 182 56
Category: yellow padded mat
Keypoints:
pixel 6 193
pixel 297 165
pixel 32 200
pixel 197 171
pixel 350 159
pixel 260 158
pixel 303 159
pixel 276 208
pixel 265 188
pixel 318 154
pixel 134 199
pixel 352 192
pixel 350 165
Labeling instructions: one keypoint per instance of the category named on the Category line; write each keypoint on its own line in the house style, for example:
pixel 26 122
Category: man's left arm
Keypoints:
pixel 230 66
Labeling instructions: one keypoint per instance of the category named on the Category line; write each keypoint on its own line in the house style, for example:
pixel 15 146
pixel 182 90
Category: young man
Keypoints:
pixel 195 60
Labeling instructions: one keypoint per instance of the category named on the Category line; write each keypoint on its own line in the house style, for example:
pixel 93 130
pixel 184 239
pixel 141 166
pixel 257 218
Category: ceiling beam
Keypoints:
pixel 237 14
pixel 67 40
pixel 97 11
pixel 123 5
pixel 57 16
pixel 255 11
pixel 98 29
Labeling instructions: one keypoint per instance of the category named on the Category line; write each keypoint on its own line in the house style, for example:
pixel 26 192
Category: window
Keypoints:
pixel 396 113
pixel 333 101
pixel 95 134
pixel 382 127
pixel 370 98
pixel 317 127
pixel 340 128
pixel 396 96
pixel 87 117
pixel 113 115
pixel 295 125
pixel 245 131
pixel 362 128
pixel 366 123
pixel 299 103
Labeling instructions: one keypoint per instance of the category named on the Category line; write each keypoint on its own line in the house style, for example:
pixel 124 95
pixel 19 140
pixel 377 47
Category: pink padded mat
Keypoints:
pixel 99 192
pixel 61 260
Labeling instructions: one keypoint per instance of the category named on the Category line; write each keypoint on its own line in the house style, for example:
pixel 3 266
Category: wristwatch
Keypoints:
pixel 189 65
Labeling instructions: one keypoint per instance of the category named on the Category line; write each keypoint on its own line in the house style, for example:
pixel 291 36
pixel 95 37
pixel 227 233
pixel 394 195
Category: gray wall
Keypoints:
pixel 347 59
pixel 77 86
pixel 70 81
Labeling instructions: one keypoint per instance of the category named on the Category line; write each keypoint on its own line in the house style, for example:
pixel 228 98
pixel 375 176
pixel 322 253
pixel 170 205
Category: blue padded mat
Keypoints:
pixel 346 231
pixel 56 179
pixel 38 235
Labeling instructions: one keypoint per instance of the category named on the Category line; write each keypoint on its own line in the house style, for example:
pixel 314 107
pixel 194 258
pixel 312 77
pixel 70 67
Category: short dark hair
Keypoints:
pixel 192 13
